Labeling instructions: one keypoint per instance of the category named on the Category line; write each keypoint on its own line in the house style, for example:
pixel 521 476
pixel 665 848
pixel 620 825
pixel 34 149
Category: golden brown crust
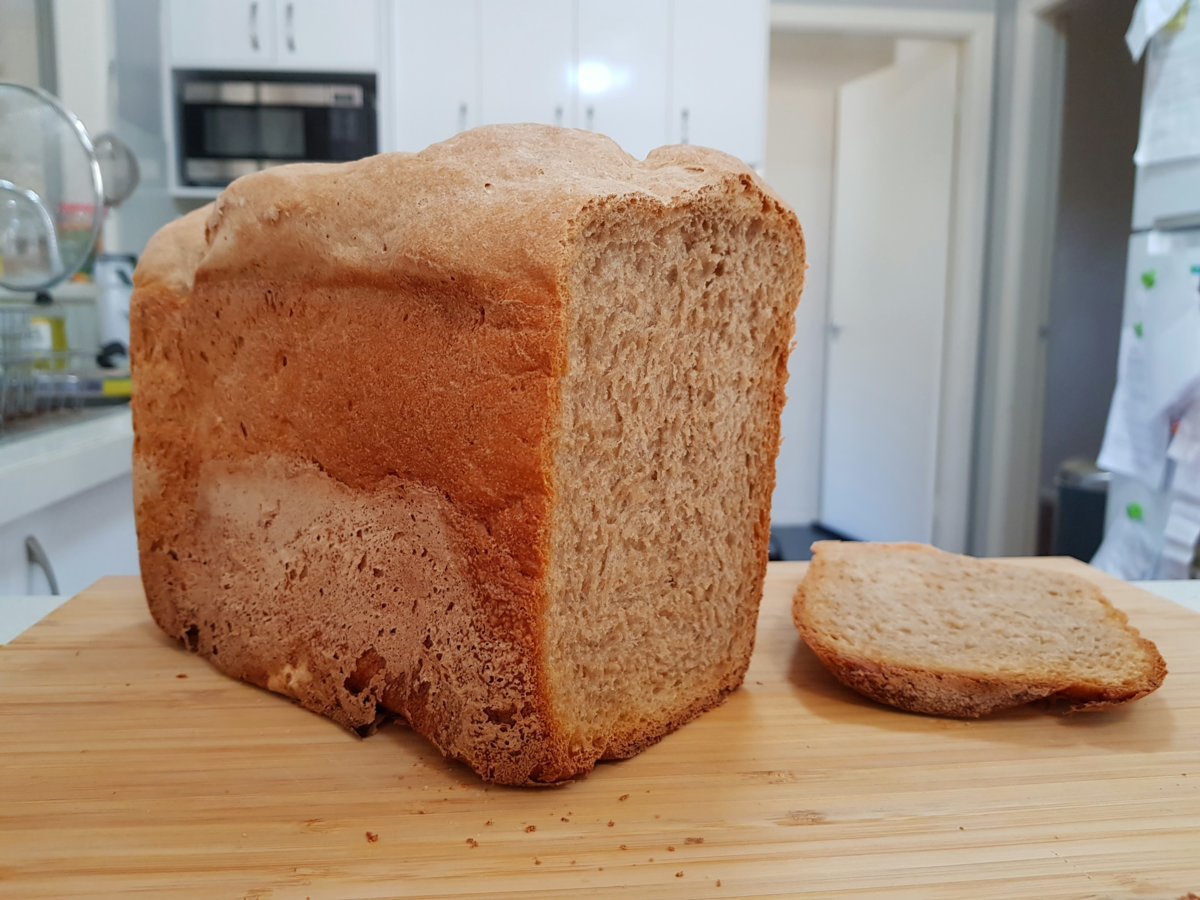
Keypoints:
pixel 951 691
pixel 341 403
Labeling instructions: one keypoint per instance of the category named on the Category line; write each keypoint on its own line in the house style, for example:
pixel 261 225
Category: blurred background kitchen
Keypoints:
pixel 998 197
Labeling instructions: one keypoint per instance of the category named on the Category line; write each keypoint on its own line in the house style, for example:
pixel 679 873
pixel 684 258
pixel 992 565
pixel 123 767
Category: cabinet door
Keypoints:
pixel 434 37
pixel 528 61
pixel 84 538
pixel 622 74
pixel 221 34
pixel 719 75
pixel 315 35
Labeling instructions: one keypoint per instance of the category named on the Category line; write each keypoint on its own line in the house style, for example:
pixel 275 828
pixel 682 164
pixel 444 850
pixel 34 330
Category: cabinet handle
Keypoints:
pixel 254 25
pixel 289 18
pixel 590 117
pixel 35 553
pixel 558 115
pixel 683 125
pixel 462 117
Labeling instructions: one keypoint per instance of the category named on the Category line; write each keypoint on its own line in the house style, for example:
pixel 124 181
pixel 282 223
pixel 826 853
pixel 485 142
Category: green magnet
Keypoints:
pixel 1134 511
pixel 1149 278
pixel 1139 329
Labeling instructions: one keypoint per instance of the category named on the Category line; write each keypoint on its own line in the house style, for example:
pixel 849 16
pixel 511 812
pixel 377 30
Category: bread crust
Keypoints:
pixel 343 404
pixel 954 692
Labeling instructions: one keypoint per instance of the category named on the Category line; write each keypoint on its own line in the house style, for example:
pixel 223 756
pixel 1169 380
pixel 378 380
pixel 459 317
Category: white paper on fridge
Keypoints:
pixel 1128 551
pixel 1138 431
pixel 1182 530
pixel 1171 100
pixel 1149 16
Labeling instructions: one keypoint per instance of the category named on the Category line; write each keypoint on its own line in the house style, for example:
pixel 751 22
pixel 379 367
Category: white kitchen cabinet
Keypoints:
pixel 623 71
pixel 84 537
pixel 435 67
pixel 221 34
pixel 319 36
pixel 528 61
pixel 297 35
pixel 719 75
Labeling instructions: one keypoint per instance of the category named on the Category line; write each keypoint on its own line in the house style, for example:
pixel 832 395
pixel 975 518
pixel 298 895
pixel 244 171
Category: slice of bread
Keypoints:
pixel 947 635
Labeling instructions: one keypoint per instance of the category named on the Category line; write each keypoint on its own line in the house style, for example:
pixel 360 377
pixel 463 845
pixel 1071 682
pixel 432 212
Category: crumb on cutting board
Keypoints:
pixel 472 843
pixel 372 837
pixel 529 829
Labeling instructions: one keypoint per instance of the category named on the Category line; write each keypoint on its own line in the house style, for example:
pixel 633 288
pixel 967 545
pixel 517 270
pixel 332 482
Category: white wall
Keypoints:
pixel 82 42
pixel 805 74
pixel 18 42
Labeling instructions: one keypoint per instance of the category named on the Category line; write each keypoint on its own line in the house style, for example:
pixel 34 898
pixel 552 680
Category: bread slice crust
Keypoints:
pixel 941 685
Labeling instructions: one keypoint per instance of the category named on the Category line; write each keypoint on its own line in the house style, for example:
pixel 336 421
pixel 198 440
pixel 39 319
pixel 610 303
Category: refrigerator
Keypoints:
pixel 1152 440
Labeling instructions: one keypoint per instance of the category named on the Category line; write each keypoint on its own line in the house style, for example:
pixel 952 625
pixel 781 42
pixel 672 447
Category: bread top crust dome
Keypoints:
pixel 496 203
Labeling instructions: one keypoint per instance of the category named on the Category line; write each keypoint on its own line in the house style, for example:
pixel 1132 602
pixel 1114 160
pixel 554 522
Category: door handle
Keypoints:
pixel 254 25
pixel 36 555
pixel 684 115
pixel 462 117
pixel 590 117
pixel 289 18
pixel 833 330
pixel 558 115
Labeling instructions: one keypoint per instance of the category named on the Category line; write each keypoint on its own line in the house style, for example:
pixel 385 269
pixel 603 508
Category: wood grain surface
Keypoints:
pixel 128 765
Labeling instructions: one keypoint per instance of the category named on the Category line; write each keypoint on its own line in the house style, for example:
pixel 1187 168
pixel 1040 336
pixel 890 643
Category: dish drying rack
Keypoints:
pixel 35 379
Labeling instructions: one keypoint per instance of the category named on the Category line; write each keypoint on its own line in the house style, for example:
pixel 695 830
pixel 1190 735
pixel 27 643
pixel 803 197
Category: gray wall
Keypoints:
pixel 1100 127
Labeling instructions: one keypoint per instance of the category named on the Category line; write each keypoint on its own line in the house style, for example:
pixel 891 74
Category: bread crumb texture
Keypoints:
pixel 483 437
pixel 933 632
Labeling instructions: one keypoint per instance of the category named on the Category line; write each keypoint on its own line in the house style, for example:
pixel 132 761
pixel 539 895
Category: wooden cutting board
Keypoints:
pixel 127 764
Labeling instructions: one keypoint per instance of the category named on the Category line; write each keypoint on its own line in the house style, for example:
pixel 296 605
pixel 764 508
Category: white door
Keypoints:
pixel 891 235
pixel 438 37
pixel 221 33
pixel 317 36
pixel 528 61
pixel 623 50
pixel 719 76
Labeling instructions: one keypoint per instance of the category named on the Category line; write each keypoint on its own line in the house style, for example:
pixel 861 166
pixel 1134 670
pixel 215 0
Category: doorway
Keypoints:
pixel 866 141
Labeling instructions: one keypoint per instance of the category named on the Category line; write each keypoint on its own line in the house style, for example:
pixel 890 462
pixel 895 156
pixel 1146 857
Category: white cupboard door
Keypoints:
pixel 891 234
pixel 528 61
pixel 221 34
pixel 319 36
pixel 623 70
pixel 434 37
pixel 719 76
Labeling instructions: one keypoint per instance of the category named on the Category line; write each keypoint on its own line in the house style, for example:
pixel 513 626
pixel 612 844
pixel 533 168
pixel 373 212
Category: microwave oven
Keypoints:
pixel 230 124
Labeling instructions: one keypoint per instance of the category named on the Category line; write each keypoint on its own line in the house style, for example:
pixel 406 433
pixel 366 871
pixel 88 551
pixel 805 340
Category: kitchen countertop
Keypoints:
pixel 129 765
pixel 58 455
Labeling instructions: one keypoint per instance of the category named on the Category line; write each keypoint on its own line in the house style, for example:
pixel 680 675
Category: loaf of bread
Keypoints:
pixel 947 635
pixel 483 437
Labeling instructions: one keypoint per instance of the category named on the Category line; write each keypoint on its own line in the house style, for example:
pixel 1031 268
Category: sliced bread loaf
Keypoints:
pixel 482 436
pixel 948 635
